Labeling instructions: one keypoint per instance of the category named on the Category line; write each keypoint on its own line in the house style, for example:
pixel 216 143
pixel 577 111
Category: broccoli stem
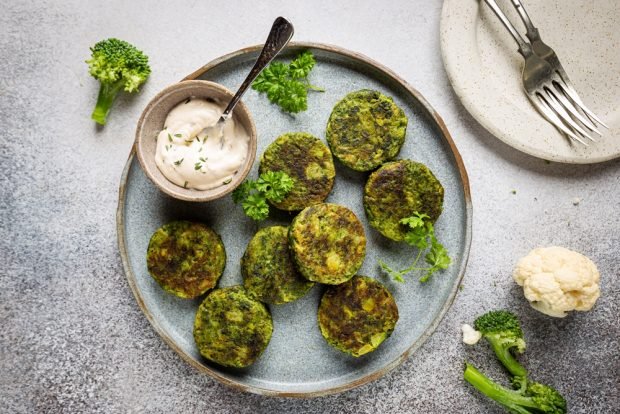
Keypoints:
pixel 506 358
pixel 107 93
pixel 513 400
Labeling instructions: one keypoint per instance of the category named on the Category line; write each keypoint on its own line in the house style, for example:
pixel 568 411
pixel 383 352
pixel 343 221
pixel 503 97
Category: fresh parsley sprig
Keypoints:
pixel 253 194
pixel 421 234
pixel 288 85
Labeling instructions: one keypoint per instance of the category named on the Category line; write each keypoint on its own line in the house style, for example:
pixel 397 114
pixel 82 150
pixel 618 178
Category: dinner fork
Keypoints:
pixel 546 89
pixel 544 51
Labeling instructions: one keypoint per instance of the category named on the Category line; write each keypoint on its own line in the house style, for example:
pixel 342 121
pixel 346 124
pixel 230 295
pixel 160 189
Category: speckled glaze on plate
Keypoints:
pixel 484 68
pixel 298 362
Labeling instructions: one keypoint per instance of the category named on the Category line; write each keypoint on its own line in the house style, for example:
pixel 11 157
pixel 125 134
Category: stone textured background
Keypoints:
pixel 72 338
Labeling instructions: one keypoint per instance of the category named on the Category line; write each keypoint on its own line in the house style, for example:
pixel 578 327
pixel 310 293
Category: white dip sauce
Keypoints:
pixel 188 157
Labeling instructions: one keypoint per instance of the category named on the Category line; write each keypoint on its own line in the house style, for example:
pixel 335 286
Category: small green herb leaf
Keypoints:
pixel 253 194
pixel 275 185
pixel 287 85
pixel 243 191
pixel 178 162
pixel 421 234
pixel 301 66
pixel 255 206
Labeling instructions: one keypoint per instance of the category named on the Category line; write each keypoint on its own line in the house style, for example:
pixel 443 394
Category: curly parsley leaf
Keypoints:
pixel 253 194
pixel 255 206
pixel 301 66
pixel 421 234
pixel 287 85
pixel 275 185
pixel 293 97
pixel 243 191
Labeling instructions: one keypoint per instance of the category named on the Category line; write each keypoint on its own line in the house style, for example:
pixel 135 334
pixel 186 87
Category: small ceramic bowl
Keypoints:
pixel 152 122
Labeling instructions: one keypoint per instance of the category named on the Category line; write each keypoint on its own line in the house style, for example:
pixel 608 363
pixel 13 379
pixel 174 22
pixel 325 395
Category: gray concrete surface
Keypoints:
pixel 72 338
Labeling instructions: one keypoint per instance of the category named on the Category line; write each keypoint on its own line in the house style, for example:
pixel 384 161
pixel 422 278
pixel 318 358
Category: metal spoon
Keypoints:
pixel 280 34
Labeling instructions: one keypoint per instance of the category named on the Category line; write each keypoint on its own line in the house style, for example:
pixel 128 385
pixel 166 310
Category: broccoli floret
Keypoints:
pixel 503 331
pixel 117 65
pixel 532 398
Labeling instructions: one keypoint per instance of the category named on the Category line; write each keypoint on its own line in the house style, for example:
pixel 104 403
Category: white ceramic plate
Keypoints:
pixel 484 67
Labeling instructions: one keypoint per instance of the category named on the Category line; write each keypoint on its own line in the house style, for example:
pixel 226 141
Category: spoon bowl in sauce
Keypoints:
pixel 176 151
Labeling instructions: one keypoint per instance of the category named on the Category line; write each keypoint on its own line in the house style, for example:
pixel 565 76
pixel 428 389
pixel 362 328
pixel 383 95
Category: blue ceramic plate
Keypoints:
pixel 298 362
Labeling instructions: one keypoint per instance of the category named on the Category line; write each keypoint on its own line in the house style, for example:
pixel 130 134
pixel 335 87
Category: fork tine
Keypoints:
pixel 559 109
pixel 570 106
pixel 541 104
pixel 572 93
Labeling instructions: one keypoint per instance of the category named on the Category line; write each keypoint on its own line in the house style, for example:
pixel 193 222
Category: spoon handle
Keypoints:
pixel 280 34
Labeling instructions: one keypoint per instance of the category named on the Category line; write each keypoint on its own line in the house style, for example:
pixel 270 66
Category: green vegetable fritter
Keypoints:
pixel 397 190
pixel 185 258
pixel 328 243
pixel 267 267
pixel 308 162
pixel 232 329
pixel 366 129
pixel 357 316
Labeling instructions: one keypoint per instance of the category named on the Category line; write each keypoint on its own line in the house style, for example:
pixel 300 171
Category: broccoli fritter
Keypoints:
pixel 232 329
pixel 398 190
pixel 357 316
pixel 308 162
pixel 268 271
pixel 185 258
pixel 328 243
pixel 366 129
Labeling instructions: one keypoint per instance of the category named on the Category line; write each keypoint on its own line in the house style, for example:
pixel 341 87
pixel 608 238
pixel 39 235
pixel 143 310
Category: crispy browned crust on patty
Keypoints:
pixel 357 316
pixel 186 258
pixel 231 328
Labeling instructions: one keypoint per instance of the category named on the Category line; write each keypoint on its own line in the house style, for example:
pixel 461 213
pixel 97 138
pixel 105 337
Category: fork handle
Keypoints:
pixel 524 48
pixel 279 35
pixel 532 32
pixel 538 46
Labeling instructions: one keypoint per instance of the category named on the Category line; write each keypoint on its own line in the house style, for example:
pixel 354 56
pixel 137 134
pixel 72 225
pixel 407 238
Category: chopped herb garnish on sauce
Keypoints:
pixel 178 162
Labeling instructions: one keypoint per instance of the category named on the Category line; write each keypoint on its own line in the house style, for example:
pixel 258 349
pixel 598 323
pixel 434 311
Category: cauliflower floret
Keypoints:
pixel 470 335
pixel 557 280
